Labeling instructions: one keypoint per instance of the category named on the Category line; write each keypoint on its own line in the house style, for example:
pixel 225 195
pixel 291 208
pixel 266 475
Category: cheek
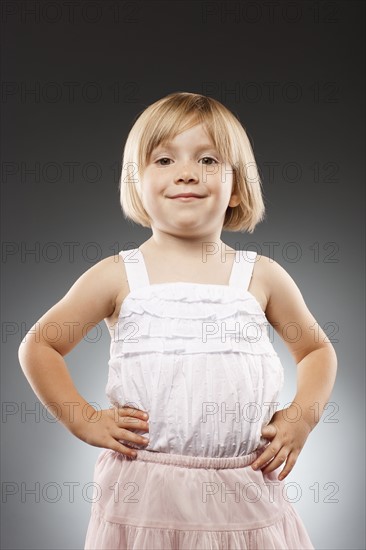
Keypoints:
pixel 227 177
pixel 224 184
pixel 151 189
pixel 224 177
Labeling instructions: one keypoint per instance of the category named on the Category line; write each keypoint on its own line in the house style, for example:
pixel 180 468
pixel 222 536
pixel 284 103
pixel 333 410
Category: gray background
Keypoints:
pixel 294 74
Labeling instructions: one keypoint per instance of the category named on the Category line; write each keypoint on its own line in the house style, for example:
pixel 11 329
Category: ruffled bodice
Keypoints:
pixel 198 359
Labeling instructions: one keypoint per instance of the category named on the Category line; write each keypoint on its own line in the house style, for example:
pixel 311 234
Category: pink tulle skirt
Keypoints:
pixel 165 501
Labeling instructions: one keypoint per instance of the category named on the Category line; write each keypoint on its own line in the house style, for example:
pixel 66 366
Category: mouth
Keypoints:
pixel 188 196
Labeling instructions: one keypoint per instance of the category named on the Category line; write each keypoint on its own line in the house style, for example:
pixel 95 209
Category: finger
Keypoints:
pixel 132 423
pixel 134 415
pixel 130 436
pixel 269 431
pixel 276 462
pixel 119 448
pixel 132 411
pixel 290 463
pixel 267 455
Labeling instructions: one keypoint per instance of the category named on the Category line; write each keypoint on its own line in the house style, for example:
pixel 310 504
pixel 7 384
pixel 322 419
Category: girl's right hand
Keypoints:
pixel 106 427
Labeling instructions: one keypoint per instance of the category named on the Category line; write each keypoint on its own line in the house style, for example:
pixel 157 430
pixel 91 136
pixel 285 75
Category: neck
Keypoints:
pixel 183 247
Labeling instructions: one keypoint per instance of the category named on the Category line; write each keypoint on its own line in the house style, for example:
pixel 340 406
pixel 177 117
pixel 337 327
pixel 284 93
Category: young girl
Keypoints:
pixel 195 453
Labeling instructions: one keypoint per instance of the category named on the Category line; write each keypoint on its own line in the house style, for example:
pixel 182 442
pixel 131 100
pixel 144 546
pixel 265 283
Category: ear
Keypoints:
pixel 234 200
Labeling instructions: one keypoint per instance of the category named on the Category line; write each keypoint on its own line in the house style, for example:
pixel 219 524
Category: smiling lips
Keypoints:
pixel 187 196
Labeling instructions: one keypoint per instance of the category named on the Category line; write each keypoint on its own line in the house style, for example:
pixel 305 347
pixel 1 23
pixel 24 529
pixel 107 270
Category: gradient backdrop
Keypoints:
pixel 73 79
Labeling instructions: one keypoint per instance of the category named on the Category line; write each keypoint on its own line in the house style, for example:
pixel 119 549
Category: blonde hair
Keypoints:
pixel 173 114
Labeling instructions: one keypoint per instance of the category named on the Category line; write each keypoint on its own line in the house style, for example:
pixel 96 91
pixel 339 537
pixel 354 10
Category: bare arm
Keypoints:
pixel 91 299
pixel 316 370
pixel 315 356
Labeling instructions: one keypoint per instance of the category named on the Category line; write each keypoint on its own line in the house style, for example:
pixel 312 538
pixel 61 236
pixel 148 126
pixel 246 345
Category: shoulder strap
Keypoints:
pixel 137 275
pixel 135 268
pixel 243 268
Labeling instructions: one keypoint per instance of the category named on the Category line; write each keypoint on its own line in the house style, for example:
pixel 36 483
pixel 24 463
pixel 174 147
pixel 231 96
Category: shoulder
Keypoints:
pixel 288 312
pixel 274 282
pixel 267 268
pixel 285 301
pixel 273 277
pixel 89 300
pixel 108 274
pixel 104 282
pixel 112 273
pixel 111 265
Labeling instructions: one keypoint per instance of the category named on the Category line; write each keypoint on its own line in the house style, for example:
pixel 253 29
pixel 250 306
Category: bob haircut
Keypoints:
pixel 173 114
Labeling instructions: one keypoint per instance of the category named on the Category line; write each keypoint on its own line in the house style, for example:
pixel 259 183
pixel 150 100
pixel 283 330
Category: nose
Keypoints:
pixel 187 174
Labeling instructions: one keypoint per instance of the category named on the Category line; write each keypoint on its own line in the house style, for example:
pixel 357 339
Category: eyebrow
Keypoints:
pixel 200 148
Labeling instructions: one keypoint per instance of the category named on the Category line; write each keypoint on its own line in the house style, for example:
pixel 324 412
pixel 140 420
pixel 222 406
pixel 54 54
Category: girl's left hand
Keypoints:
pixel 287 434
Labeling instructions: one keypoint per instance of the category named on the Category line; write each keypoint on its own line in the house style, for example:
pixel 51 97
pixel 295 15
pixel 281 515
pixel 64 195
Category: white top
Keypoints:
pixel 198 359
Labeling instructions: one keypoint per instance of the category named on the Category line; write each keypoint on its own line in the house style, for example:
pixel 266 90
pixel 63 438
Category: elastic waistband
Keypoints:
pixel 187 461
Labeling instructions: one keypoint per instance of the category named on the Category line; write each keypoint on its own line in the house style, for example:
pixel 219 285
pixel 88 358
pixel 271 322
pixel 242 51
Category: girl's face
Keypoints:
pixel 188 164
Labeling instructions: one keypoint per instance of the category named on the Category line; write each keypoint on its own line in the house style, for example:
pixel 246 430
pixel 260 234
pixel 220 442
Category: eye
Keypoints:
pixel 210 158
pixel 166 158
